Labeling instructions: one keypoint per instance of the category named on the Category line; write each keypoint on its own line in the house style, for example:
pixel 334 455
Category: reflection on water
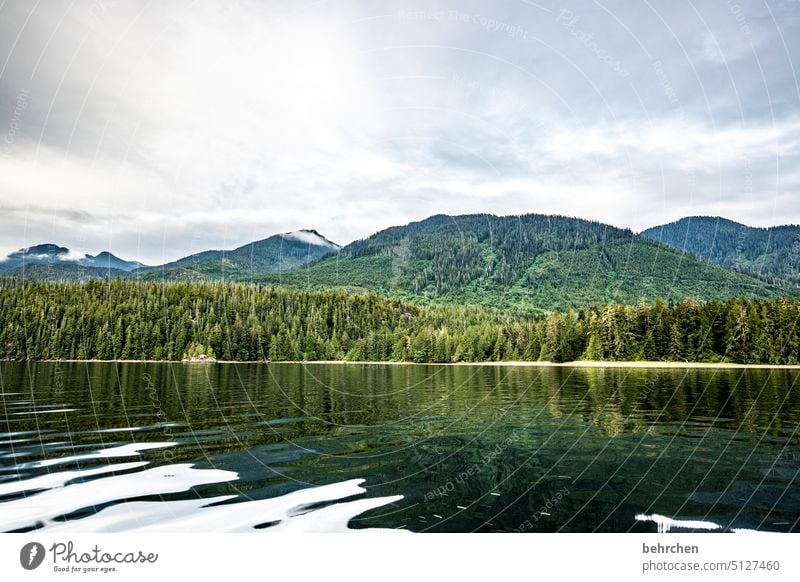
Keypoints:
pixel 666 524
pixel 66 501
pixel 166 447
pixel 128 450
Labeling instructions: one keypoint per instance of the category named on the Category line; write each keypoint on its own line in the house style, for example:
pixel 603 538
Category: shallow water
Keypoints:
pixel 291 447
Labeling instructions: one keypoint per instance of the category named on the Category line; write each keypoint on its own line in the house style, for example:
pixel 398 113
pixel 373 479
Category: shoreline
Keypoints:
pixel 544 364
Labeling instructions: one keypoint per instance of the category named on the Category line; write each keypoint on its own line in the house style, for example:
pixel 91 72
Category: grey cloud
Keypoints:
pixel 170 128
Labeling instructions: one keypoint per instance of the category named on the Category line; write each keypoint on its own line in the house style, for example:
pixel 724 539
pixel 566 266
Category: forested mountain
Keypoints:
pixel 280 252
pixel 530 262
pixel 277 253
pixel 771 253
pixel 51 255
pixel 64 272
pixel 134 320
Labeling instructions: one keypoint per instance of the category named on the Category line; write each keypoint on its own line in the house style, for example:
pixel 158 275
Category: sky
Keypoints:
pixel 157 129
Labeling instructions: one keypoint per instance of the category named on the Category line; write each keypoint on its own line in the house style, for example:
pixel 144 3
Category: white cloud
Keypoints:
pixel 683 143
pixel 163 131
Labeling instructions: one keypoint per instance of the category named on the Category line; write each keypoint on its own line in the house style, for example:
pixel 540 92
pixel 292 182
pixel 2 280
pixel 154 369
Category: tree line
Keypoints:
pixel 122 319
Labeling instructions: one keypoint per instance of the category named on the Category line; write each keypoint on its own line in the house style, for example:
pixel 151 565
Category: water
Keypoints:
pixel 288 447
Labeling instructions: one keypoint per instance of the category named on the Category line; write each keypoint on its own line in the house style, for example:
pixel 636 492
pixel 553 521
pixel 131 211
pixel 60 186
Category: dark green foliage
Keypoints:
pixel 121 319
pixel 531 263
pixel 770 253
pixel 65 272
pixel 453 251
pixel 196 350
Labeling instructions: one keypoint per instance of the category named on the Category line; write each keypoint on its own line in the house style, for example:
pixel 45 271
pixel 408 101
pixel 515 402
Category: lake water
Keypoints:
pixel 289 447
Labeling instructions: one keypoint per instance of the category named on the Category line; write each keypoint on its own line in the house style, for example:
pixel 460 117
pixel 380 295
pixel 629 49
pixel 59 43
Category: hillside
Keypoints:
pixel 770 253
pixel 281 252
pixel 156 321
pixel 530 262
pixel 64 272
pixel 533 263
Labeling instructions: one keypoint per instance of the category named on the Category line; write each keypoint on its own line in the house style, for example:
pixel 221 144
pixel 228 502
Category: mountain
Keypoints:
pixel 277 253
pixel 281 252
pixel 106 260
pixel 531 262
pixel 52 255
pixel 770 253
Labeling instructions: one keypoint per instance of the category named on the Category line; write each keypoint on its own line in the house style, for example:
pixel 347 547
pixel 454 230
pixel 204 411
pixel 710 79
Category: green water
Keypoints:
pixel 469 448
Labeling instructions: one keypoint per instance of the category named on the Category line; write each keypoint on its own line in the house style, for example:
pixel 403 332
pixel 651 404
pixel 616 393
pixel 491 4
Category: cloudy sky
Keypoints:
pixel 156 129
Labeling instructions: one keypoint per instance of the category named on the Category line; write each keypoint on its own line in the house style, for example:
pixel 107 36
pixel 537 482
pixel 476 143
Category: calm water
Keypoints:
pixel 225 447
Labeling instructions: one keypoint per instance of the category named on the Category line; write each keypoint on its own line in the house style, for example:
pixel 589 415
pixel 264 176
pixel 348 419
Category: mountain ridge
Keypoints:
pixel 51 254
pixel 279 252
pixel 529 262
pixel 771 253
pixel 290 249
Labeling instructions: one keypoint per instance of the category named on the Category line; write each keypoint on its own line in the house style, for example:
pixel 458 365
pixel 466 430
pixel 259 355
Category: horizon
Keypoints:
pixel 79 253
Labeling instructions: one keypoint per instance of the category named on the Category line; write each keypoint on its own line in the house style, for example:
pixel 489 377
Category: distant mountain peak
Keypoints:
pixel 110 260
pixel 44 249
pixel 53 254
pixel 310 236
pixel 44 252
